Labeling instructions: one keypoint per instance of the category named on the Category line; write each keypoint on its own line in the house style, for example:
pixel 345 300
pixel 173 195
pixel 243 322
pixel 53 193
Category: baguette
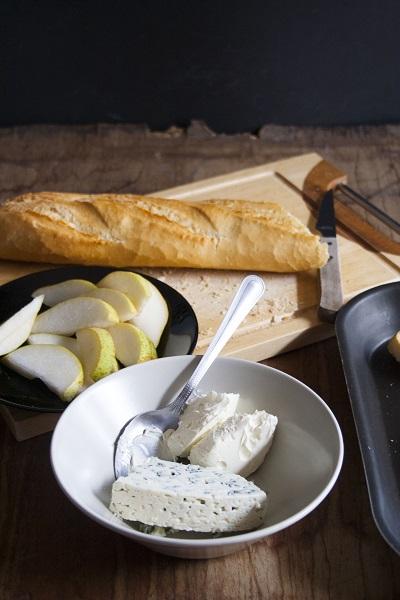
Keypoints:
pixel 140 231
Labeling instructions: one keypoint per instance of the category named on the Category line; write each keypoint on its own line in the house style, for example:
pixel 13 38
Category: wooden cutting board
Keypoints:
pixel 286 317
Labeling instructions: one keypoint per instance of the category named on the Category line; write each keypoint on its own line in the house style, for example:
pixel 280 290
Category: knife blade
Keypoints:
pixel 330 278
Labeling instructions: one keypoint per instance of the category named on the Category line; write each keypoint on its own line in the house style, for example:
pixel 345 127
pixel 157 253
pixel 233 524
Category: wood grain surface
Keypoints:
pixel 48 549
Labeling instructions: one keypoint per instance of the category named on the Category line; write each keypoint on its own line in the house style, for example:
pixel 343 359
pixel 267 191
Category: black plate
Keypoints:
pixel 364 327
pixel 179 337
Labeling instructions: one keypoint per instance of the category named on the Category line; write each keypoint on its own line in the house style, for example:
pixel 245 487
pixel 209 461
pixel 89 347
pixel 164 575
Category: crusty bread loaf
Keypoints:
pixel 138 231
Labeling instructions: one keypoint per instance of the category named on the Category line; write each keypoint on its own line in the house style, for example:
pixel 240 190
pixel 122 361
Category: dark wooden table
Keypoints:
pixel 48 549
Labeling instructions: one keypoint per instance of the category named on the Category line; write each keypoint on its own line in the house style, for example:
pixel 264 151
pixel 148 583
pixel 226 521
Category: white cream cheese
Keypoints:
pixel 201 414
pixel 238 445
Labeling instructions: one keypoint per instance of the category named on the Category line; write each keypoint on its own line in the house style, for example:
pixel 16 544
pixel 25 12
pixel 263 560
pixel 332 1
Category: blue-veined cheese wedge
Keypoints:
pixel 188 498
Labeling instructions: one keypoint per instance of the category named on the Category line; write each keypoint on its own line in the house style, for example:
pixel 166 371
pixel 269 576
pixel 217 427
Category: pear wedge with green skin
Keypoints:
pixel 56 366
pixel 67 317
pixel 118 300
pixel 58 340
pixel 152 315
pixel 58 292
pixel 97 353
pixel 16 329
pixel 132 346
pixel 136 287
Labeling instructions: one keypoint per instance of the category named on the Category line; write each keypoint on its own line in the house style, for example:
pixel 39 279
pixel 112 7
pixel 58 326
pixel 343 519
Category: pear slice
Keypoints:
pixel 51 338
pixel 56 366
pixel 53 294
pixel 97 353
pixel 16 329
pixel 67 317
pixel 153 316
pixel 136 287
pixel 132 346
pixel 118 300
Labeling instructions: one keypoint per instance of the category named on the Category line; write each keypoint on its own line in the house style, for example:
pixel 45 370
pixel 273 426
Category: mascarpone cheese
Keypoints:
pixel 201 414
pixel 238 445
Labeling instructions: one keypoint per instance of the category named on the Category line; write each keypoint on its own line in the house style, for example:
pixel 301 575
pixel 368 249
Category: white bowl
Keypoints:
pixel 299 471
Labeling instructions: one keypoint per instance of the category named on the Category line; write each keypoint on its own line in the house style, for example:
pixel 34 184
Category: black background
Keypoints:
pixel 236 65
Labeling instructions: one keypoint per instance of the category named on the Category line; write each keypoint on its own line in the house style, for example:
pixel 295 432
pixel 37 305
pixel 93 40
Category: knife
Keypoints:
pixel 330 279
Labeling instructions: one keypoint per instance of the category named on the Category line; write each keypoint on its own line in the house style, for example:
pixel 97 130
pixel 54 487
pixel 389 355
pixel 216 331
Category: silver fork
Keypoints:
pixel 142 435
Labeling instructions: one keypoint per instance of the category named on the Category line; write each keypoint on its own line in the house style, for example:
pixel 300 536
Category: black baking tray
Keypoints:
pixel 363 328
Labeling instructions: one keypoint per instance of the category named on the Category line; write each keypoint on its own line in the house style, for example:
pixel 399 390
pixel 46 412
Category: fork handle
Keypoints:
pixel 249 292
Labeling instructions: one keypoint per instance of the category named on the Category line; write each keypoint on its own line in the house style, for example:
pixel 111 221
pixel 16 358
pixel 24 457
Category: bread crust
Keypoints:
pixel 141 231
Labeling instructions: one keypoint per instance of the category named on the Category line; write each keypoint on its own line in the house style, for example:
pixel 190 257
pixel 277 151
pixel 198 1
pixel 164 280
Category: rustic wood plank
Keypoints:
pixel 48 548
pixel 129 158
